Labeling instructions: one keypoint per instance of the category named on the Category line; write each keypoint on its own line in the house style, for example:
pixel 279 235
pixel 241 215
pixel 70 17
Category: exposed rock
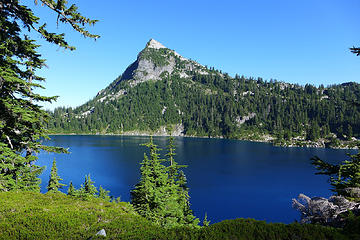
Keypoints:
pixel 101 233
pixel 247 93
pixel 242 119
pixel 154 44
pixel 184 75
pixel 163 110
pixel 324 97
pixel 322 210
pixel 147 67
pixel 84 114
pixel 147 70
pixel 113 96
pixel 178 130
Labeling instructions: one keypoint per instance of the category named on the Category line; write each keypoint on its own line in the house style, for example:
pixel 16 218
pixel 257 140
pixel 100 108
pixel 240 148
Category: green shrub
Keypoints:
pixel 29 215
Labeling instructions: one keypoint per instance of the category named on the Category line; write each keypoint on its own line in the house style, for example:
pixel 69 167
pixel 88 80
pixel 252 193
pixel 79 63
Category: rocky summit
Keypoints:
pixel 154 62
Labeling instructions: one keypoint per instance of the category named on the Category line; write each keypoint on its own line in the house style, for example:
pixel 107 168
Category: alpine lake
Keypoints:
pixel 227 178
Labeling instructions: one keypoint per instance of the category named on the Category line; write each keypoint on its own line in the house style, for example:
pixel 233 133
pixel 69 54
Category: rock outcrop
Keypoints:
pixel 325 211
pixel 154 62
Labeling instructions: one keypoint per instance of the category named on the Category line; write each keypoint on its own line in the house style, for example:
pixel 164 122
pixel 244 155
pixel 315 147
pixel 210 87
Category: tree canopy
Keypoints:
pixel 22 118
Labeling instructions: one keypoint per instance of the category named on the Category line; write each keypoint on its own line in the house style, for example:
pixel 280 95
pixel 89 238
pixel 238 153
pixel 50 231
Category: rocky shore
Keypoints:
pixel 178 131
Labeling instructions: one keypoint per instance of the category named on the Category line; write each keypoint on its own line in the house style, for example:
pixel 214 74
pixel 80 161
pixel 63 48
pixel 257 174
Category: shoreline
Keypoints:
pixel 269 141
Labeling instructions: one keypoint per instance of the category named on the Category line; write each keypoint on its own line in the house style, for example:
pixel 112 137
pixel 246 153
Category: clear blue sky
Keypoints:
pixel 292 41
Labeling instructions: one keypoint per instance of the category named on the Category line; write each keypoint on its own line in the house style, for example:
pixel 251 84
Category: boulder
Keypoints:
pixel 101 233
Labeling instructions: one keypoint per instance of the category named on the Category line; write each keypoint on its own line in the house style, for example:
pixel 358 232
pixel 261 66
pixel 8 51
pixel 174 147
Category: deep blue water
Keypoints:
pixel 227 178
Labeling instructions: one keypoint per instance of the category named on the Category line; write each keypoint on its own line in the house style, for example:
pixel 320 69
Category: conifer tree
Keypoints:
pixel 54 181
pixel 22 118
pixel 206 222
pixel 178 188
pixel 173 166
pixel 184 200
pixel 88 189
pixel 160 195
pixel 149 196
pixel 71 190
pixel 344 177
pixel 104 194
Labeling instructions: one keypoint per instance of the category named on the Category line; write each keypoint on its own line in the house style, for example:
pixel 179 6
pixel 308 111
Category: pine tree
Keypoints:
pixel 22 118
pixel 54 181
pixel 71 190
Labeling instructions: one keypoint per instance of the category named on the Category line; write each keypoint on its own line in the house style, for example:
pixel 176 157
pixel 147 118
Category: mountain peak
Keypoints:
pixel 154 44
pixel 154 62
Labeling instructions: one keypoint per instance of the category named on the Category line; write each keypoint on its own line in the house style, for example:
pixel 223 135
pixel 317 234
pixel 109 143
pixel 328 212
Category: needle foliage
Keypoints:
pixel 21 115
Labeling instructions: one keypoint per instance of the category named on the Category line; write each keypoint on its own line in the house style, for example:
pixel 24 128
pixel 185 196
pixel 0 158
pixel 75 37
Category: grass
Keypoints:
pixel 27 215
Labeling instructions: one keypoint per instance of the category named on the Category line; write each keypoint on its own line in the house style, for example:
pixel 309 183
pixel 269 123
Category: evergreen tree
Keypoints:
pixel 349 132
pixel 54 181
pixel 178 185
pixel 150 194
pixel 88 189
pixel 184 200
pixel 206 222
pixel 173 167
pixel 104 194
pixel 160 195
pixel 344 177
pixel 71 190
pixel 22 118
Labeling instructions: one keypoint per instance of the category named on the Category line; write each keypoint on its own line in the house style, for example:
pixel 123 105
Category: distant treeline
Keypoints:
pixel 219 105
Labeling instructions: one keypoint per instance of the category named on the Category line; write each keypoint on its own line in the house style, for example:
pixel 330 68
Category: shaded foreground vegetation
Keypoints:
pixel 29 215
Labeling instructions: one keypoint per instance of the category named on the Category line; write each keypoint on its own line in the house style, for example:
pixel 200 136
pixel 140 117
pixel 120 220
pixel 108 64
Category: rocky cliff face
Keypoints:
pixel 152 62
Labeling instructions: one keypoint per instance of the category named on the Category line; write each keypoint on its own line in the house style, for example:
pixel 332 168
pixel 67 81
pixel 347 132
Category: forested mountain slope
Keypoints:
pixel 163 92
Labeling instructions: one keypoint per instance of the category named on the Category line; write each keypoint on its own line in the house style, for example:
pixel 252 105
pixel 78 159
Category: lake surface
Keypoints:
pixel 227 178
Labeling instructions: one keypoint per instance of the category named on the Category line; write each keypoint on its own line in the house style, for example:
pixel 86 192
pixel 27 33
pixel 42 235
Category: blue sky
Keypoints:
pixel 292 41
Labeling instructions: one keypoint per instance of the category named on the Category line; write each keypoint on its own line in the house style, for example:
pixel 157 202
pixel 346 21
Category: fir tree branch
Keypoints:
pixel 355 50
pixel 75 18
